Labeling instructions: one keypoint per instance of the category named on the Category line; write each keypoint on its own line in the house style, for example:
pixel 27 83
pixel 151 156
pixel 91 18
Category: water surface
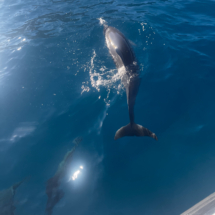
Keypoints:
pixel 58 82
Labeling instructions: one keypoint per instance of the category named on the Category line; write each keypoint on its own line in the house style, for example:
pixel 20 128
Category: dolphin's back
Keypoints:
pixel 119 47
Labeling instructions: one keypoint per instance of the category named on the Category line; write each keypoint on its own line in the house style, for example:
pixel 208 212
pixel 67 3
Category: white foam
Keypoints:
pixel 100 77
pixel 102 21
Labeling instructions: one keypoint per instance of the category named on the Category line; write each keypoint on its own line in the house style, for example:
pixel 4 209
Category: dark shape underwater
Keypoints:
pixel 53 191
pixel 7 199
pixel 124 59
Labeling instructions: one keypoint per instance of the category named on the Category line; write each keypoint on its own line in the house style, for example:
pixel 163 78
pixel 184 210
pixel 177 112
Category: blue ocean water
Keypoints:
pixel 58 81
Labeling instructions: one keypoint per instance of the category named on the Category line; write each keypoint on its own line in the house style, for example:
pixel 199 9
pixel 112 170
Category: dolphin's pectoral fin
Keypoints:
pixel 134 130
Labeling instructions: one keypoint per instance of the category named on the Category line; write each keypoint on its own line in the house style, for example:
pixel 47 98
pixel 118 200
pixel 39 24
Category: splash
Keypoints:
pixel 102 21
pixel 142 24
pixel 102 77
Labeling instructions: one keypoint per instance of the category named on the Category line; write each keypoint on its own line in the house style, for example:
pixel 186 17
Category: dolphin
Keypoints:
pixel 53 191
pixel 7 199
pixel 124 58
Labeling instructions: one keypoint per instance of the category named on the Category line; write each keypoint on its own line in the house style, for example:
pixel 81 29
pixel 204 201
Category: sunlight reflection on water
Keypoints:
pixel 75 174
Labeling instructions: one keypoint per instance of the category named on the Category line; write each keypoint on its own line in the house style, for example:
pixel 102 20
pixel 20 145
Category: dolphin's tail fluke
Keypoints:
pixel 134 130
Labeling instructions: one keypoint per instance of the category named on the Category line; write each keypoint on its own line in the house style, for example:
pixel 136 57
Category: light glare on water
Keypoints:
pixel 76 173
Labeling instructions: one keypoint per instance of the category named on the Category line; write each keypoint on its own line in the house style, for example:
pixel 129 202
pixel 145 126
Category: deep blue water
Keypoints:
pixel 51 55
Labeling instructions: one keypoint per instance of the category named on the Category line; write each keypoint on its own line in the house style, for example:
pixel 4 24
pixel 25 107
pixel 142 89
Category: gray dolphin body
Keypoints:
pixel 53 191
pixel 7 199
pixel 124 58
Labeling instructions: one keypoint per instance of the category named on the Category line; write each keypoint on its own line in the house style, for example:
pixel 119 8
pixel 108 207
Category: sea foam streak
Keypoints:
pixel 100 76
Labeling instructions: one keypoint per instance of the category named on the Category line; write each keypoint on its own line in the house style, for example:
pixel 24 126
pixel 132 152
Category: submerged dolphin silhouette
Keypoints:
pixel 124 59
pixel 7 199
pixel 53 191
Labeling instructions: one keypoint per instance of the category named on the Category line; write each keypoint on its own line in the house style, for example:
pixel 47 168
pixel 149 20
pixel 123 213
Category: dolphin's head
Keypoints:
pixel 105 29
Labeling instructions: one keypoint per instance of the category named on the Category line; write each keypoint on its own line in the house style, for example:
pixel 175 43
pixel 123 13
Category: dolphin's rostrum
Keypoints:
pixel 125 60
